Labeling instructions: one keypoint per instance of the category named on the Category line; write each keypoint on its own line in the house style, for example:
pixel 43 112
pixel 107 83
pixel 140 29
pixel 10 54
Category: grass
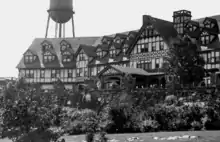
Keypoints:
pixel 204 136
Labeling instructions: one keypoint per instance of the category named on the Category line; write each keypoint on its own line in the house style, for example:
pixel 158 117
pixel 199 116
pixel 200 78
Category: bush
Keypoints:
pixel 80 121
pixel 29 113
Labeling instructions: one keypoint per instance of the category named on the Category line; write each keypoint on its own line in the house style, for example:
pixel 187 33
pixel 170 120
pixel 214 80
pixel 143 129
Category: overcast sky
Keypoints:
pixel 23 20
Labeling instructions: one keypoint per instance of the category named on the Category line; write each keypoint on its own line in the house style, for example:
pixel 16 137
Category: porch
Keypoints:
pixel 112 77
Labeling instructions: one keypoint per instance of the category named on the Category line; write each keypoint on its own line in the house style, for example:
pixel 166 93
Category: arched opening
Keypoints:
pixel 112 82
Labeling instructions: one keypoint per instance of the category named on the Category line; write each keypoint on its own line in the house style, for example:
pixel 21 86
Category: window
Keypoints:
pixel 70 73
pixel 99 53
pixel 48 57
pixel 42 74
pixel 79 72
pixel 53 73
pixel 217 55
pixel 112 52
pixel 205 38
pixel 81 57
pixel 157 65
pixel 85 71
pixel 161 45
pixel 67 57
pixel 29 58
pixel 125 47
pixel 29 73
pixel 144 65
pixel 93 73
pixel 153 46
pixel 161 63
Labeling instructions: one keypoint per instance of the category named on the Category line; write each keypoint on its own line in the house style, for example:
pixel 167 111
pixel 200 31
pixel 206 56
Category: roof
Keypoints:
pixel 128 70
pixel 200 20
pixel 35 47
pixel 217 17
pixel 134 71
pixel 89 50
pixel 165 29
pixel 103 47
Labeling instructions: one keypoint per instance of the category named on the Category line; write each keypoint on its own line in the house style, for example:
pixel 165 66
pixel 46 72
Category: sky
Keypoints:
pixel 23 20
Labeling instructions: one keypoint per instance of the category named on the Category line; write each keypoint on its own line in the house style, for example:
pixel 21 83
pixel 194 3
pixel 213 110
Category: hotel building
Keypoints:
pixel 140 53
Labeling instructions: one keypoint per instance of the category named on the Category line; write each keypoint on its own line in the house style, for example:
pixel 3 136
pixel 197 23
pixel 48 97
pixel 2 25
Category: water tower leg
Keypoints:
pixel 48 22
pixel 60 30
pixel 73 28
pixel 64 30
pixel 56 27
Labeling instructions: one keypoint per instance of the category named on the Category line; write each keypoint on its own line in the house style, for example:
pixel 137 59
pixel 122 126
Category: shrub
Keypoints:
pixel 31 113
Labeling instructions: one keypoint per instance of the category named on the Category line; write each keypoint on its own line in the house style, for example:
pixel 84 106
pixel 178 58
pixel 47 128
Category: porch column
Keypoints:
pixel 102 82
pixel 120 81
pixel 159 81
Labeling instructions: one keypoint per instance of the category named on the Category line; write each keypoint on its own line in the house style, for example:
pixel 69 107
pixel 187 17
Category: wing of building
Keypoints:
pixel 140 53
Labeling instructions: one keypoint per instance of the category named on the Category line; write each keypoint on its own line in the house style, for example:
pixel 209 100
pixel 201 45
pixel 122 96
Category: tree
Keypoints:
pixel 185 62
pixel 28 116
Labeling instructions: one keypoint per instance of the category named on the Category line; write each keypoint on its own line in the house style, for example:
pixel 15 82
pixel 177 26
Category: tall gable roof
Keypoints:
pixel 164 28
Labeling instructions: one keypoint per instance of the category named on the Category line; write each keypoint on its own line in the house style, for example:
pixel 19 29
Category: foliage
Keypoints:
pixel 185 62
pixel 29 112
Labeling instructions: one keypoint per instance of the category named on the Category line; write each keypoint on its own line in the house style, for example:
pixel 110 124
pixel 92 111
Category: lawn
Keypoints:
pixel 201 136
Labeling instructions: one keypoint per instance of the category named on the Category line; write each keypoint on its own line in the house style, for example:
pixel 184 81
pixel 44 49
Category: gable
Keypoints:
pixel 98 50
pixel 151 29
pixel 66 53
pixel 48 53
pixel 28 53
pixel 64 42
pixel 109 71
pixel 147 38
pixel 112 47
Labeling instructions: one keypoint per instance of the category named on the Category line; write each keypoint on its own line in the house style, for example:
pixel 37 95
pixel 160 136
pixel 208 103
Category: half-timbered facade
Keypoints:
pixel 74 60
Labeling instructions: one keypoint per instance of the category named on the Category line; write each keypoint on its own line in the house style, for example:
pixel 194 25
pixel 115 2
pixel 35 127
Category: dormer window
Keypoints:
pixel 46 46
pixel 64 45
pixel 112 52
pixel 29 57
pixel 125 47
pixel 117 40
pixel 48 57
pixel 67 57
pixel 99 53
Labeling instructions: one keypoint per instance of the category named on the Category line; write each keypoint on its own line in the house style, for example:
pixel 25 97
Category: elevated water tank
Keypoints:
pixel 61 11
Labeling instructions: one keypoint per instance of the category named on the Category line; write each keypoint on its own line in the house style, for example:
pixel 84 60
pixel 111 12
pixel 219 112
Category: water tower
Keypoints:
pixel 61 12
